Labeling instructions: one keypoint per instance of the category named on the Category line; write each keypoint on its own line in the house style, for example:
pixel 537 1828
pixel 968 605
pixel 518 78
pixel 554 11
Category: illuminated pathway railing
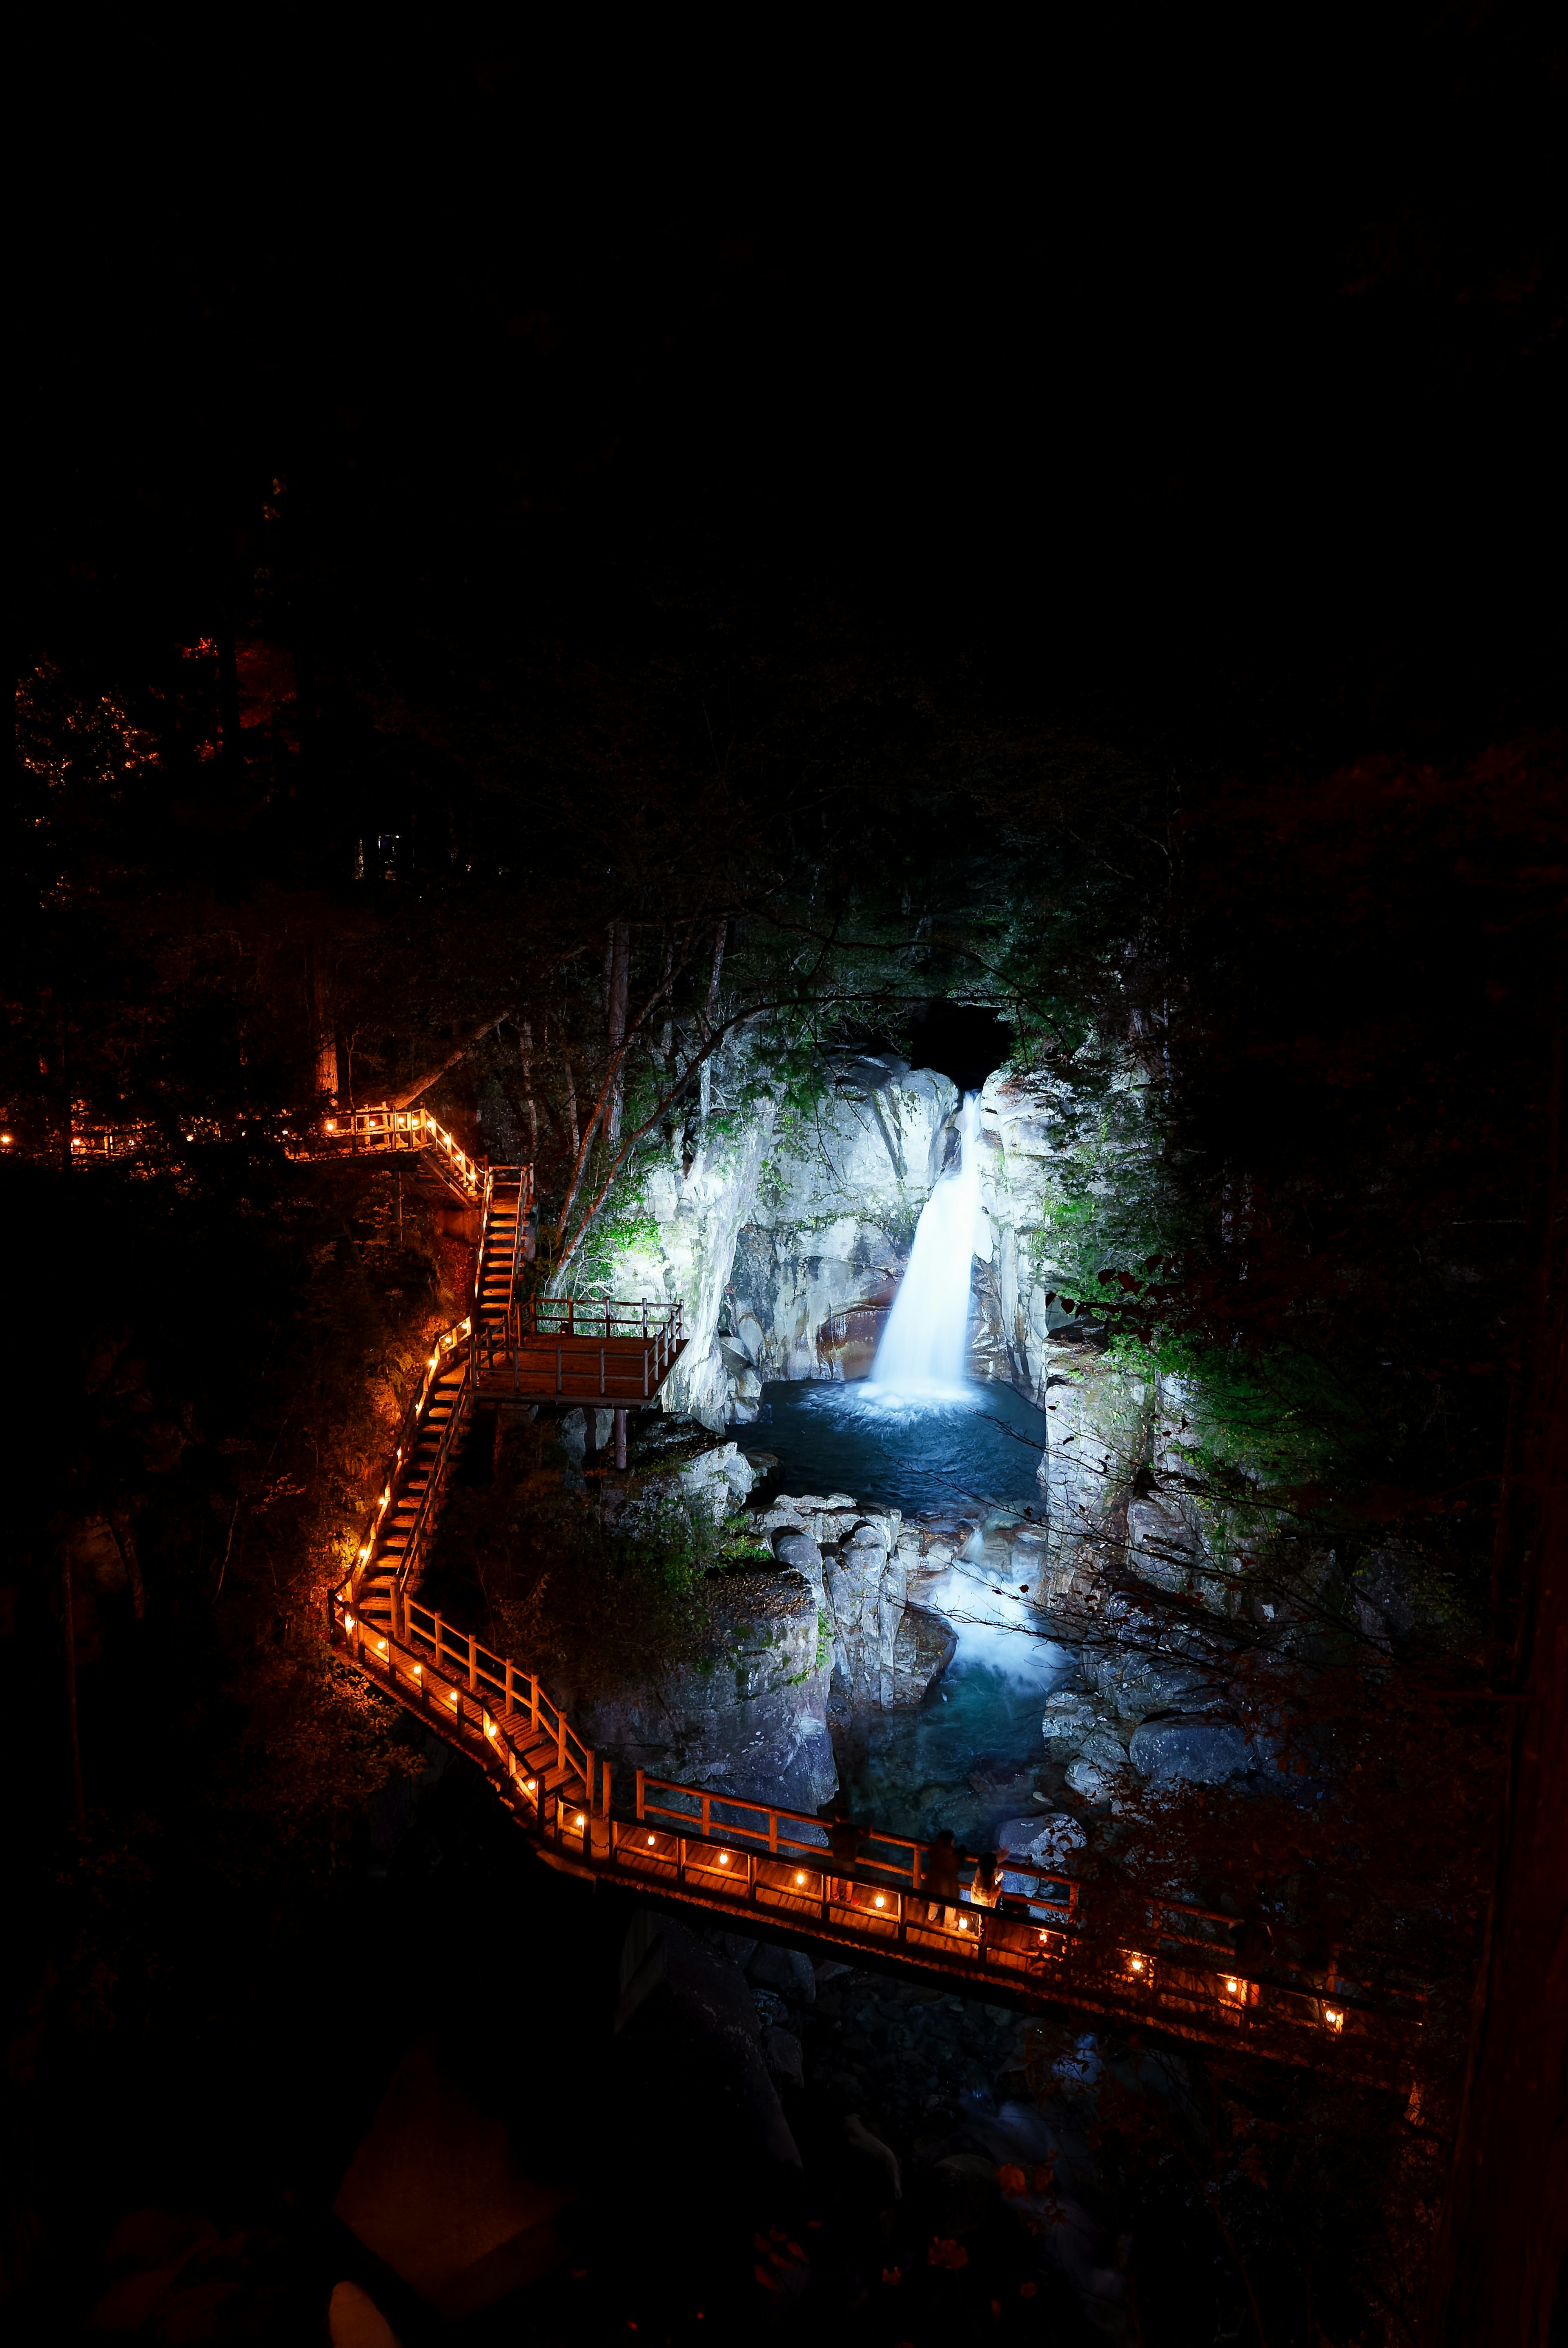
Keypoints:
pixel 733 1858
pixel 1156 1965
pixel 352 1133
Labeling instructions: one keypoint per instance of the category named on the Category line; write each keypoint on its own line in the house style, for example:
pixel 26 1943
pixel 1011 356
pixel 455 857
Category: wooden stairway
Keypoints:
pixel 500 1253
pixel 409 1523
pixel 397 1546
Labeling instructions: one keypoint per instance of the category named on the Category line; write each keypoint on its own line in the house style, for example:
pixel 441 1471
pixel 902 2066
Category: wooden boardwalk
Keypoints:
pixel 617 1355
pixel 757 1867
pixel 741 1862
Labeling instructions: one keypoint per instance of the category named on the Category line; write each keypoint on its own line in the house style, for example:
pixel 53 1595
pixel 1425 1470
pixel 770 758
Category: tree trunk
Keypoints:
pixel 528 1055
pixel 615 1019
pixel 323 1040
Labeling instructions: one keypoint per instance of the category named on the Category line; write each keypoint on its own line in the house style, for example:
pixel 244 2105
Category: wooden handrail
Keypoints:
pixel 719 1851
pixel 381 1126
pixel 779 1869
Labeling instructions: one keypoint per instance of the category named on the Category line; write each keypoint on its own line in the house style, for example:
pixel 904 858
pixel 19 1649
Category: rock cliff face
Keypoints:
pixel 824 1246
pixel 785 1241
pixel 830 1631
pixel 886 1649
pixel 753 1723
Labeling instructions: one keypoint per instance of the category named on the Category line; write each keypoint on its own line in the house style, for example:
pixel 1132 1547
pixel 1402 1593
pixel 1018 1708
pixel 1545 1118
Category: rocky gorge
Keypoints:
pixel 787 1232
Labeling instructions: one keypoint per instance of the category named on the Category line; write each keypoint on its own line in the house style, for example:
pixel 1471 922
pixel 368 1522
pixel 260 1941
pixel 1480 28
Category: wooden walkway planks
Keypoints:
pixel 770 1868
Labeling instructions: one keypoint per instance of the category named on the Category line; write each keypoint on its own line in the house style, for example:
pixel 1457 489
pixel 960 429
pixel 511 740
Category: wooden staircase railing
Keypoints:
pixel 381 1128
pixel 762 1866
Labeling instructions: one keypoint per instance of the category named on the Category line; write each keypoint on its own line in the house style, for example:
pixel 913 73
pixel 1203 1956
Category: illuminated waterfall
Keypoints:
pixel 924 1352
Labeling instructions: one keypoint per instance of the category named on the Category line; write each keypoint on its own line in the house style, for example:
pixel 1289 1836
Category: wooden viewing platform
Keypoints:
pixel 566 1349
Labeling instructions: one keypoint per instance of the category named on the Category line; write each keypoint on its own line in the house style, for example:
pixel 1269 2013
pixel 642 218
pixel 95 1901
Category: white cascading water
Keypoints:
pixel 922 1367
pixel 924 1352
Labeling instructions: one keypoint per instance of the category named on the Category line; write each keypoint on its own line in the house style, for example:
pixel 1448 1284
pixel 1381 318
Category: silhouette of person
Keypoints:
pixel 844 1840
pixel 985 1891
pixel 940 1881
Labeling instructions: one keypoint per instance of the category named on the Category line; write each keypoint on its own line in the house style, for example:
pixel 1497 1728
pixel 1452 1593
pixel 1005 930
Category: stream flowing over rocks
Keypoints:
pixel 887 1656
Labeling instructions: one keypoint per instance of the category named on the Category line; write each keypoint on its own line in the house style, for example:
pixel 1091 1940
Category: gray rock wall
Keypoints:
pixel 886 1651
pixel 753 1723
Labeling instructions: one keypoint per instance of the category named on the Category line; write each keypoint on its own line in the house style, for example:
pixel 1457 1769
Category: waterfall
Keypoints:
pixel 924 1352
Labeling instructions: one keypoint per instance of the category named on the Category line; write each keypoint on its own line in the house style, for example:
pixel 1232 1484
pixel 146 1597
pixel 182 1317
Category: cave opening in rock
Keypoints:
pixel 962 1041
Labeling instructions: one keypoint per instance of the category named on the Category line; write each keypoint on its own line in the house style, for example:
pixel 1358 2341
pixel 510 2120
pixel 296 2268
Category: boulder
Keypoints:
pixel 1093 1771
pixel 783 2055
pixel 785 1969
pixel 1048 1840
pixel 718 1480
pixel 798 1551
pixel 1199 1751
pixel 1069 1717
pixel 436 2188
pixel 1138 1666
pixel 925 1646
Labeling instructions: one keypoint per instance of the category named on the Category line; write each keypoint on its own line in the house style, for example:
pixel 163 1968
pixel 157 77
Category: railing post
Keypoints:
pixel 511 1697
pixel 707 1816
pixel 640 1808
pixel 472 1663
pixel 436 1626
pixel 560 1738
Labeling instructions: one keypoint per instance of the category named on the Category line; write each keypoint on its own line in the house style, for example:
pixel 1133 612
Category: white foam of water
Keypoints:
pixel 997 1628
pixel 925 1347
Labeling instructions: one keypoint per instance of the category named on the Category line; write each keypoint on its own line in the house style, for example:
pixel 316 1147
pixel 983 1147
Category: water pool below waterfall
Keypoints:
pixel 968 1757
pixel 977 1453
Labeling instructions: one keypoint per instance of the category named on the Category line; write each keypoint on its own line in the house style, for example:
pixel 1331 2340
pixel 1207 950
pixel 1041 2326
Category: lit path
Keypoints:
pixel 748 1864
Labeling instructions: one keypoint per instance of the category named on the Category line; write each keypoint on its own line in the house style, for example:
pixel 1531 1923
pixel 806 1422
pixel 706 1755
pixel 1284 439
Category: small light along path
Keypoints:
pixel 733 1862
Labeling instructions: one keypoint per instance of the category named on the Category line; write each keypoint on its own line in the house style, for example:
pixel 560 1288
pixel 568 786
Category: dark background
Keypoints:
pixel 1205 382
pixel 1195 393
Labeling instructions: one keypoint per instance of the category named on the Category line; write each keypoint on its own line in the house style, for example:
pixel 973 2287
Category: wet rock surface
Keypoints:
pixel 1199 1751
pixel 752 1721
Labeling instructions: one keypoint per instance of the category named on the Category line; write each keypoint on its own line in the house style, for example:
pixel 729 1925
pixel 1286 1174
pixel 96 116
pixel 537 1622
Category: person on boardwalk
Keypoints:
pixel 986 1889
pixel 844 1840
pixel 940 1883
